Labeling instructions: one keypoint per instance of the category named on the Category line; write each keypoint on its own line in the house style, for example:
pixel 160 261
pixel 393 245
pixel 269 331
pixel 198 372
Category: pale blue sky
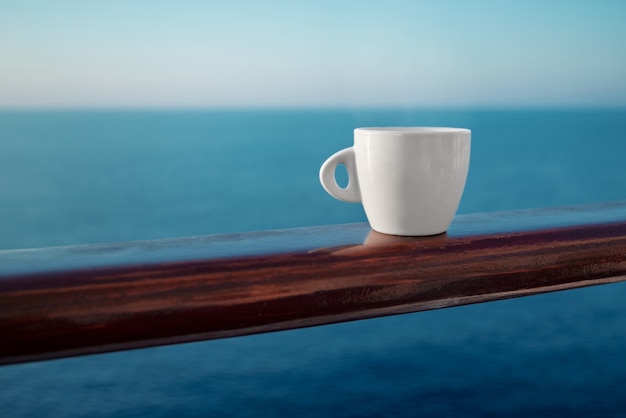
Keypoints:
pixel 185 53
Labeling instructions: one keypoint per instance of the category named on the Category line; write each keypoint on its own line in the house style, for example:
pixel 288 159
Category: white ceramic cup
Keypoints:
pixel 409 179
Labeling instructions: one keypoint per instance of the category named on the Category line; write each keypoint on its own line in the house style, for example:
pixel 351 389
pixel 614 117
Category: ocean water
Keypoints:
pixel 98 176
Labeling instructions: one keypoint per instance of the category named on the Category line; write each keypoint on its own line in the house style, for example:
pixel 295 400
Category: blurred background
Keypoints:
pixel 140 120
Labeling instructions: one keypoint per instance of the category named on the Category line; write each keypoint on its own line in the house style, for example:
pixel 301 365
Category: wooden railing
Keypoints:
pixel 65 301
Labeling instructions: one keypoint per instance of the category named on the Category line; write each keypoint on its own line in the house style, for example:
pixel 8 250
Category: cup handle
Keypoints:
pixel 351 192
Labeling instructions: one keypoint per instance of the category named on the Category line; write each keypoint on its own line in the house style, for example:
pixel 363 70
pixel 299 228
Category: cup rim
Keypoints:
pixel 411 130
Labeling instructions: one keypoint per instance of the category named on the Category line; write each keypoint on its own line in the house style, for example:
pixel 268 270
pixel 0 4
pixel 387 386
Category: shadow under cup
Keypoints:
pixel 410 180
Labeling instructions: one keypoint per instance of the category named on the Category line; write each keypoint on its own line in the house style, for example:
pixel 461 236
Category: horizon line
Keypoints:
pixel 308 108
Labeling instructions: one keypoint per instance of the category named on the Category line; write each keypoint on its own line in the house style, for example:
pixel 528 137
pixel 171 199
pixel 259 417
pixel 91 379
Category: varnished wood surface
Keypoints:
pixel 64 301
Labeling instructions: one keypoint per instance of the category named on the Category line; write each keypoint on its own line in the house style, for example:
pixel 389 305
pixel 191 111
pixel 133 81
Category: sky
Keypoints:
pixel 322 53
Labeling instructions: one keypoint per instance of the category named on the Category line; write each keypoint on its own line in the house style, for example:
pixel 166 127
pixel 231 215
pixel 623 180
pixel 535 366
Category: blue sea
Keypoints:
pixel 74 177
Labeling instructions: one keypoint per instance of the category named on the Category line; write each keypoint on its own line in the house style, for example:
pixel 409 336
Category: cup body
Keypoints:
pixel 410 180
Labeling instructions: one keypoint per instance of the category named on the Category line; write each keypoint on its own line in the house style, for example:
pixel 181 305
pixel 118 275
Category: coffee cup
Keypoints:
pixel 409 179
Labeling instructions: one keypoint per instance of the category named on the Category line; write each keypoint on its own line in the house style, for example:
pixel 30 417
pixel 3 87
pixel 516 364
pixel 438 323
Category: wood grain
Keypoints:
pixel 65 301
